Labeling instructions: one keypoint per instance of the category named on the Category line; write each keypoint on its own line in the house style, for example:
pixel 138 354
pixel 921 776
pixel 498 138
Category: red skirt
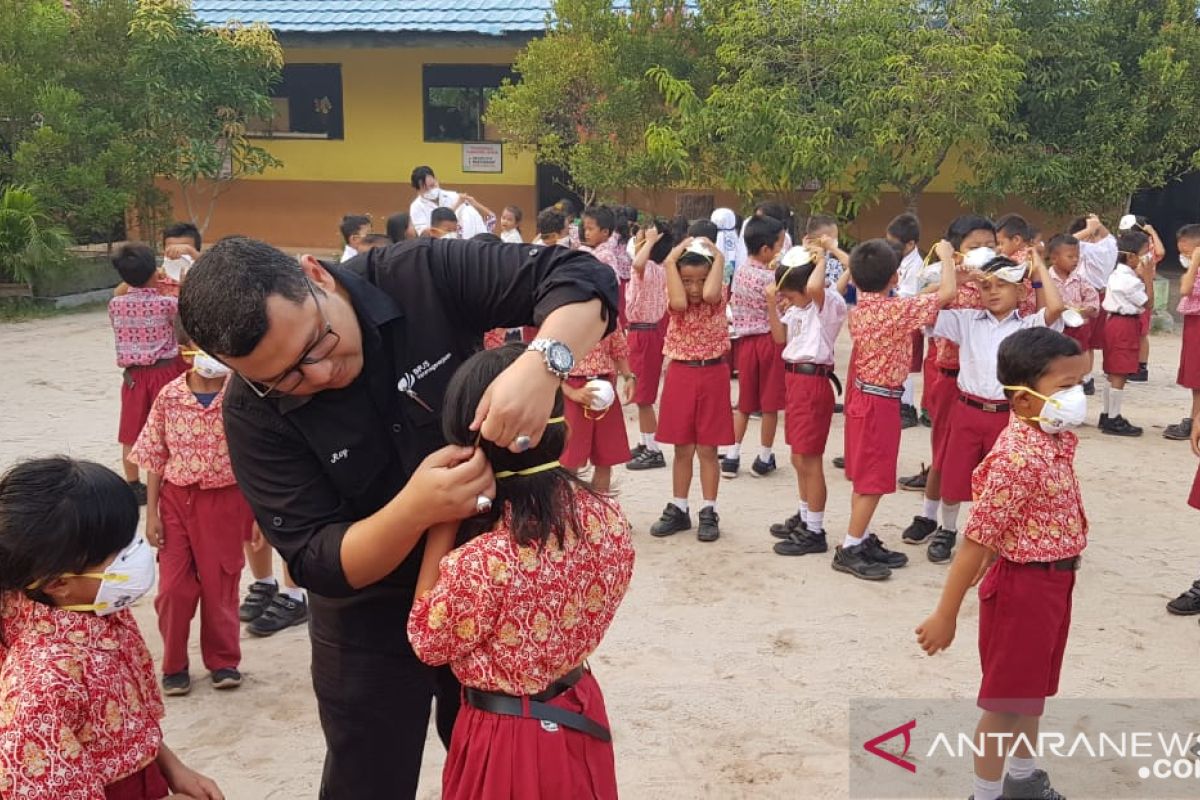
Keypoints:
pixel 498 757
pixel 1121 342
pixel 594 436
pixel 148 784
pixel 139 387
pixel 1189 353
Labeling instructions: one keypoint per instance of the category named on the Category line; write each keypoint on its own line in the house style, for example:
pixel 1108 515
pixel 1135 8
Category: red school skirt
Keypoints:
pixel 139 387
pixel 146 784
pixel 695 407
pixel 498 757
pixel 1189 353
pixel 594 436
pixel 1122 339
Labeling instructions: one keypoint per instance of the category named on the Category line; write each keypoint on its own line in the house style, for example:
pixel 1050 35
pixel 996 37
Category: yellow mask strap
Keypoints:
pixel 549 465
pixel 88 607
pixel 783 277
pixel 553 420
pixel 110 577
pixel 190 353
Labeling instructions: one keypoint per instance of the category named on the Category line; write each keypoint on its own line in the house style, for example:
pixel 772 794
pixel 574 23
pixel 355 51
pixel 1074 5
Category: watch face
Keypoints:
pixel 559 357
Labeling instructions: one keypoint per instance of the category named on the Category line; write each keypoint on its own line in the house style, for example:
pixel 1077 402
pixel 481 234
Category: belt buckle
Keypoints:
pixel 992 407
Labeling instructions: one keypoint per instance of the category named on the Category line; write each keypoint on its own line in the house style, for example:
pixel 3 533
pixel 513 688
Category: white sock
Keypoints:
pixel 767 454
pixel 1114 401
pixel 294 592
pixel 270 580
pixel 816 521
pixel 804 512
pixel 651 445
pixel 850 541
pixel 950 516
pixel 1020 769
pixel 907 397
pixel 733 451
pixel 929 509
pixel 680 503
pixel 706 503
pixel 988 790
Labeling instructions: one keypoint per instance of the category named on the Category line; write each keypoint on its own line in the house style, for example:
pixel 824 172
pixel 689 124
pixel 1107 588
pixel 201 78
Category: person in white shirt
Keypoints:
pixel 982 409
pixel 904 232
pixel 1130 289
pixel 808 329
pixel 431 195
pixel 510 218
pixel 1097 257
pixel 354 228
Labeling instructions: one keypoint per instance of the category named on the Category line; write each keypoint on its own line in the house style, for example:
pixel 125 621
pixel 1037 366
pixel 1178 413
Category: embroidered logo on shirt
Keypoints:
pixel 421 371
pixel 340 455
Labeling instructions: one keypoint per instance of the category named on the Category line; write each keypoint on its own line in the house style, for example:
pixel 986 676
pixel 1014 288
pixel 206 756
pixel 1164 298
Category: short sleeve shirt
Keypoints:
pixel 812 332
pixel 183 440
pixel 143 322
pixel 748 298
pixel 699 333
pixel 882 329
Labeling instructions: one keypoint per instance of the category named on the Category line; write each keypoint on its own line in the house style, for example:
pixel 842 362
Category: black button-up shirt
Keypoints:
pixel 312 466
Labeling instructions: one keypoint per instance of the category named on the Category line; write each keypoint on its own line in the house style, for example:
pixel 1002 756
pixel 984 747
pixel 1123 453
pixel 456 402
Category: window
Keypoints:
pixel 456 98
pixel 308 104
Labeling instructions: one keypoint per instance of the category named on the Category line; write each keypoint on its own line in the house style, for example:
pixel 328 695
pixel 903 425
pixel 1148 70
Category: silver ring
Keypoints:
pixel 483 504
pixel 522 443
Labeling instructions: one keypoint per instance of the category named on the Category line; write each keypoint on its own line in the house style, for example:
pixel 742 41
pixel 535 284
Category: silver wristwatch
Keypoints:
pixel 558 357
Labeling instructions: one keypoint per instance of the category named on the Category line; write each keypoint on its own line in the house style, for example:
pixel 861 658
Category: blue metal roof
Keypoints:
pixel 486 17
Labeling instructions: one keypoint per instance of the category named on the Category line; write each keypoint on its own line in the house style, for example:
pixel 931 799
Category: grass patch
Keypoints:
pixel 24 309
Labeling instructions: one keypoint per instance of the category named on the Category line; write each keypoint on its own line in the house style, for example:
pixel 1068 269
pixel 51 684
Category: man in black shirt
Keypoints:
pixel 333 423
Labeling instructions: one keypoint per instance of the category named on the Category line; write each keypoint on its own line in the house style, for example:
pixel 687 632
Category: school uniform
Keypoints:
pixel 1124 302
pixel 1189 352
pixel 882 330
pixel 695 407
pixel 646 316
pixel 596 437
pixel 980 411
pixel 759 356
pixel 205 523
pixel 611 253
pixel 808 359
pixel 143 322
pixel 942 391
pixel 911 281
pixel 1096 263
pixel 1028 509
pixel 1077 293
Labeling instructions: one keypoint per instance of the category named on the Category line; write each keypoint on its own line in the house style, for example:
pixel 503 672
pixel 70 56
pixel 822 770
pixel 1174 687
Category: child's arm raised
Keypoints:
pixel 1188 282
pixel 778 329
pixel 676 296
pixel 843 283
pixel 714 284
pixel 815 288
pixel 649 238
pixel 438 542
pixel 937 631
pixel 1047 296
pixel 948 288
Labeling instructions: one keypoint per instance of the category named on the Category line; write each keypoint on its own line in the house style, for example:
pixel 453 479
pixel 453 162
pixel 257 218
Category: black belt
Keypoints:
pixel 878 391
pixel 1119 314
pixel 1062 565
pixel 991 408
pixel 821 370
pixel 949 373
pixel 704 362
pixel 535 707
pixel 643 326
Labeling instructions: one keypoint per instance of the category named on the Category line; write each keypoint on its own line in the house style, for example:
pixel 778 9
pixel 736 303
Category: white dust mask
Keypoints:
pixel 1185 261
pixel 176 268
pixel 1065 409
pixel 979 257
pixel 128 577
pixel 208 367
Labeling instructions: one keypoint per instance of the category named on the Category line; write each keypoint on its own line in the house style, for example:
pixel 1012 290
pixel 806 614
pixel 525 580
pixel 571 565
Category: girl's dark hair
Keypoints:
pixel 60 516
pixel 1130 243
pixel 664 246
pixel 516 212
pixel 795 279
pixel 964 225
pixel 397 226
pixel 542 503
pixel 623 223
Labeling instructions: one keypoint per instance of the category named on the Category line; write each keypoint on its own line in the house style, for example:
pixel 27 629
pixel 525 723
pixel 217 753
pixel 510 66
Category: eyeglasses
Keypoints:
pixel 317 352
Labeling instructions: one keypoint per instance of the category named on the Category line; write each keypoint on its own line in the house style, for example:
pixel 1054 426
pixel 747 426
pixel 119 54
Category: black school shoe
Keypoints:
pixel 177 684
pixel 730 467
pixel 941 546
pixel 139 491
pixel 793 524
pixel 908 417
pixel 801 543
pixel 1118 426
pixel 227 678
pixel 915 483
pixel 1141 376
pixel 1188 603
pixel 881 555
pixel 708 530
pixel 673 520
pixel 257 599
pixel 854 561
pixel 920 530
pixel 1035 787
pixel 760 468
pixel 282 613
pixel 1180 431
pixel 647 459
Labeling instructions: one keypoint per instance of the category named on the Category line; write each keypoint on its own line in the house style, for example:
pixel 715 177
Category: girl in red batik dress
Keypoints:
pixel 516 610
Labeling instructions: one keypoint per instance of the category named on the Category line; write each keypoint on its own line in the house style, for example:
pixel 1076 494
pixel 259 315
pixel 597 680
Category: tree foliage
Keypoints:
pixel 31 243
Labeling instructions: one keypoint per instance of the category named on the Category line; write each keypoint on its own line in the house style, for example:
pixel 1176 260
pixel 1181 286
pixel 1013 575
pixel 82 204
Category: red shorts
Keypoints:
pixel 1144 322
pixel 1189 353
pixel 646 360
pixel 1121 342
pixel 918 347
pixel 1084 335
pixel 872 442
pixel 695 407
pixel 1024 617
pixel 929 374
pixel 496 756
pixel 139 387
pixel 147 783
pixel 972 433
pixel 760 374
pixel 595 437
pixel 809 413
pixel 939 401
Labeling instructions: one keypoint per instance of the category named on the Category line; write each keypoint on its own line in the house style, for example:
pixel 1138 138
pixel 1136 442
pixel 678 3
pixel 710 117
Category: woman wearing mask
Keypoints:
pixel 431 195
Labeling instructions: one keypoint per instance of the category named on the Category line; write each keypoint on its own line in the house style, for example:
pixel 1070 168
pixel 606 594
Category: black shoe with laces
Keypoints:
pixel 920 530
pixel 854 561
pixel 908 417
pixel 941 546
pixel 673 520
pixel 709 528
pixel 760 468
pixel 139 491
pixel 1180 431
pixel 282 613
pixel 1119 426
pixel 647 459
pixel 636 451
pixel 1035 787
pixel 801 543
pixel 793 524
pixel 1188 603
pixel 915 483
pixel 881 555
pixel 257 599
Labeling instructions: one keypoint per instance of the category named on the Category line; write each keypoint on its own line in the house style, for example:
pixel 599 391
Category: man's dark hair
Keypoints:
pixel 818 221
pixel 419 175
pixel 761 232
pixel 442 214
pixel 223 302
pixel 603 216
pixel 181 229
pixel 873 264
pixel 550 220
pixel 905 228
pixel 964 226
pixel 1013 225
pixel 1060 240
pixel 484 236
pixel 1188 233
pixel 1025 356
pixel 352 224
pixel 704 229
pixel 135 263
pixel 377 240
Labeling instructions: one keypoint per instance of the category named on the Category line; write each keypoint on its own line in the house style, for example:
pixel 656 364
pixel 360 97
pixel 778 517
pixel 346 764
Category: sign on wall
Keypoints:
pixel 482 157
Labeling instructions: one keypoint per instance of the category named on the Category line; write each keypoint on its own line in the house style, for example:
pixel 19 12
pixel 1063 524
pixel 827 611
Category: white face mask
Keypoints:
pixel 208 367
pixel 1063 410
pixel 176 268
pixel 1185 261
pixel 432 194
pixel 450 235
pixel 977 258
pixel 127 578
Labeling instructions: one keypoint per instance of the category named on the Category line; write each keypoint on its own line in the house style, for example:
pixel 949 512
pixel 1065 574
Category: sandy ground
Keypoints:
pixel 729 670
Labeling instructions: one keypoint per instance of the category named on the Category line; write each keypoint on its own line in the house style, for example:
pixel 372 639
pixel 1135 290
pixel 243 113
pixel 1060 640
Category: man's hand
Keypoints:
pixel 936 633
pixel 517 403
pixel 154 529
pixel 448 482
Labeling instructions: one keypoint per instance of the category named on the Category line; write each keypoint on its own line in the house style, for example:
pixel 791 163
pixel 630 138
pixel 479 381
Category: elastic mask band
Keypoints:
pixel 549 465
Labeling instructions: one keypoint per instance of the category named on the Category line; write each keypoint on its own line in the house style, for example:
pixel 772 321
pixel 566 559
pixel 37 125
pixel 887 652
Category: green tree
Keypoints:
pixel 585 101
pixel 1107 105
pixel 194 89
pixel 30 243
